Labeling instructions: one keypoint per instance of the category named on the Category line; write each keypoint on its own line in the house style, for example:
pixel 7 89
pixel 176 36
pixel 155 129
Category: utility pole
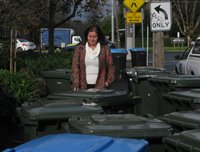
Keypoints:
pixel 130 38
pixel 158 49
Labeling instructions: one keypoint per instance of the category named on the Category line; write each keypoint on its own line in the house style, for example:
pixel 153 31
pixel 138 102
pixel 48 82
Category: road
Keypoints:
pixel 169 60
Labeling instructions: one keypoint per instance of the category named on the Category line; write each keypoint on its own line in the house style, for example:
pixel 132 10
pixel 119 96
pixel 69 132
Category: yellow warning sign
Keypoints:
pixel 134 17
pixel 133 5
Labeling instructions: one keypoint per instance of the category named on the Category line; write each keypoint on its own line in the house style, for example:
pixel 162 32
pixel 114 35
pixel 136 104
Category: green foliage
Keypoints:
pixel 23 85
pixel 4 54
pixel 40 62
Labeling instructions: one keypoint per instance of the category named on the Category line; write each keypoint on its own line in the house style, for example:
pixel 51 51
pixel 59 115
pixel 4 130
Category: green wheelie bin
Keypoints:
pixel 57 80
pixel 183 100
pixel 111 101
pixel 119 60
pixel 183 120
pixel 122 125
pixel 169 83
pixel 45 117
pixel 138 56
pixel 186 141
pixel 138 85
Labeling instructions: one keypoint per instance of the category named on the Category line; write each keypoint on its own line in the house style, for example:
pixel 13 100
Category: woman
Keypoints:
pixel 92 65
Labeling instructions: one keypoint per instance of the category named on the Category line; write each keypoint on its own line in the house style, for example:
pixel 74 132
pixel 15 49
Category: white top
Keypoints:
pixel 92 63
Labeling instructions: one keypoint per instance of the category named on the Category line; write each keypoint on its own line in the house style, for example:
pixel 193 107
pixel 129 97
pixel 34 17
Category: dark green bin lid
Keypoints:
pixel 145 71
pixel 186 141
pixel 53 109
pixel 184 119
pixel 189 98
pixel 182 81
pixel 102 97
pixel 58 73
pixel 120 125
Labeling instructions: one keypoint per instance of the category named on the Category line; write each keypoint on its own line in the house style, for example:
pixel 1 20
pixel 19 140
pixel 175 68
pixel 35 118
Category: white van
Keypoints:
pixel 189 62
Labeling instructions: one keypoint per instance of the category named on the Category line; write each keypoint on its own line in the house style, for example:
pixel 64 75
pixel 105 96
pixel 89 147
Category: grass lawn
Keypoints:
pixel 172 49
pixel 175 49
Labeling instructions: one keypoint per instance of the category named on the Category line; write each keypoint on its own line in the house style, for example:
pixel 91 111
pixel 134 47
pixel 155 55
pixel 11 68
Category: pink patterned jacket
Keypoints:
pixel 78 70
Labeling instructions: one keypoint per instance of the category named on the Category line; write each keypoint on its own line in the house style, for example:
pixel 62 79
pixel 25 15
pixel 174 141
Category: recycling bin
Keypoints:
pixel 81 143
pixel 138 56
pixel 111 101
pixel 57 80
pixel 46 116
pixel 138 85
pixel 183 120
pixel 183 100
pixel 168 83
pixel 122 125
pixel 119 60
pixel 186 141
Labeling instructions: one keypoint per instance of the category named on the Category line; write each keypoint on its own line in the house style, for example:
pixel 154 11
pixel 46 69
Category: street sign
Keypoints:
pixel 133 5
pixel 134 17
pixel 160 16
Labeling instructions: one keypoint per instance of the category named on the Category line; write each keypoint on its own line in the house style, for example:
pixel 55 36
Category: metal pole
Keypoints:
pixel 112 22
pixel 147 45
pixel 133 30
pixel 142 11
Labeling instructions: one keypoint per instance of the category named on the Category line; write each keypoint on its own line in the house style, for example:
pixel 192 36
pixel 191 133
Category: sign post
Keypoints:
pixel 160 16
pixel 132 18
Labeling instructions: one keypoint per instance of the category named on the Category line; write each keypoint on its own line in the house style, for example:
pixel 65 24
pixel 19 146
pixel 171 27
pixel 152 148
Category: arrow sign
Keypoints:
pixel 158 9
pixel 160 16
pixel 133 5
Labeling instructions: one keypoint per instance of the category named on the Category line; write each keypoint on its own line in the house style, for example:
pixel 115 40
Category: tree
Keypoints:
pixel 18 15
pixel 59 12
pixel 186 17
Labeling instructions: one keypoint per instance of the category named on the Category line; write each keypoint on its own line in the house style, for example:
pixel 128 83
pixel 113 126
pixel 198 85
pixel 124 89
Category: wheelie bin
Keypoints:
pixel 169 83
pixel 119 60
pixel 183 120
pixel 138 56
pixel 111 101
pixel 81 143
pixel 46 116
pixel 138 85
pixel 186 141
pixel 122 125
pixel 184 100
pixel 57 80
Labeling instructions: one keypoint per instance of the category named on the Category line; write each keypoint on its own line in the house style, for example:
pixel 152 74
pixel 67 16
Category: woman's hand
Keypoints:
pixel 76 89
pixel 106 84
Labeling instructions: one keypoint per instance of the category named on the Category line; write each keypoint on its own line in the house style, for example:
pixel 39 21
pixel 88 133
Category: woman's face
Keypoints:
pixel 92 38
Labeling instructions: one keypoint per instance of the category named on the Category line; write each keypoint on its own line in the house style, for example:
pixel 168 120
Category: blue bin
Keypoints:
pixel 82 143
pixel 119 59
pixel 138 56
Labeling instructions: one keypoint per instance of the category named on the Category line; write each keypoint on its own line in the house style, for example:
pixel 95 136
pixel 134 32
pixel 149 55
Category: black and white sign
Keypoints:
pixel 160 16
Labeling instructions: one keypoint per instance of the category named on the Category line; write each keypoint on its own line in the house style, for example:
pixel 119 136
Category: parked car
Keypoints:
pixel 189 61
pixel 24 45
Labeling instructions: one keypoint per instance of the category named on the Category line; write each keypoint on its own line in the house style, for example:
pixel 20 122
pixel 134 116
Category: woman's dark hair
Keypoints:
pixel 97 29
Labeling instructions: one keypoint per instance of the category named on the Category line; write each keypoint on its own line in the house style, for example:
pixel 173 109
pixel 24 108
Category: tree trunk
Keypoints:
pixel 158 50
pixel 51 40
pixel 52 8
